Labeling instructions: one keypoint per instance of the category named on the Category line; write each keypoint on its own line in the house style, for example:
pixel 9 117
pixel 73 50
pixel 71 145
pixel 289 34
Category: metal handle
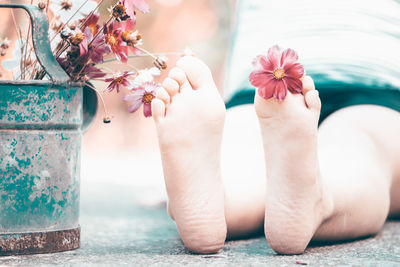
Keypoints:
pixel 41 44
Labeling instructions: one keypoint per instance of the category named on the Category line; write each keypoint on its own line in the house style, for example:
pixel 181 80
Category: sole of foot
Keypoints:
pixel 296 199
pixel 189 114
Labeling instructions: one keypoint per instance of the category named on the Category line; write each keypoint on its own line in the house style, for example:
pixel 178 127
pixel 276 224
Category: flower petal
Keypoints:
pixel 295 70
pixel 141 5
pixel 267 91
pixel 294 85
pixel 135 106
pixel 257 78
pixel 123 52
pixel 147 109
pixel 289 56
pixel 274 54
pixel 280 91
pixel 126 83
pixel 135 96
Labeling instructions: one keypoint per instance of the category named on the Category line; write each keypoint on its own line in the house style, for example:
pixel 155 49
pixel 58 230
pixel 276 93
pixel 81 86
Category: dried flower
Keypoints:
pixel 73 54
pixel 56 24
pixel 13 64
pixel 119 12
pixel 65 9
pixel 276 73
pixel 119 80
pixel 91 22
pixel 42 5
pixel 94 48
pixel 5 43
pixel 65 34
pixel 142 95
pixel 92 72
pixel 160 63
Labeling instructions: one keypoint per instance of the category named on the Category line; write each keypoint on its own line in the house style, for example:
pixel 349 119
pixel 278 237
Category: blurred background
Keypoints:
pixel 125 151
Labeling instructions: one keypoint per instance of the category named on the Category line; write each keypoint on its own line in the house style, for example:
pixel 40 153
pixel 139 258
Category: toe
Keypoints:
pixel 163 95
pixel 157 109
pixel 171 86
pixel 312 100
pixel 308 84
pixel 180 77
pixel 197 72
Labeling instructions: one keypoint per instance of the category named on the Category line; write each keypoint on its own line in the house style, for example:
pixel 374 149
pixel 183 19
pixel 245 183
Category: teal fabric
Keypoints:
pixel 352 72
pixel 335 97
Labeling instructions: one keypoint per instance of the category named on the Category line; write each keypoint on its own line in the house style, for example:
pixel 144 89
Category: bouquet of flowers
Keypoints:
pixel 80 44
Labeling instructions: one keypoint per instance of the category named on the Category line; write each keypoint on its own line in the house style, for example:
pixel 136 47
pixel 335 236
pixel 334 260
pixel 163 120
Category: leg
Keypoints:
pixel 189 116
pixel 355 178
pixel 363 141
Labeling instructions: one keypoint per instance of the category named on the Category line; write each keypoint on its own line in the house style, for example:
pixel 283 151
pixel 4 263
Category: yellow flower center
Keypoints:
pixel 147 98
pixel 279 73
pixel 77 39
pixel 112 40
pixel 93 28
pixel 118 80
pixel 126 36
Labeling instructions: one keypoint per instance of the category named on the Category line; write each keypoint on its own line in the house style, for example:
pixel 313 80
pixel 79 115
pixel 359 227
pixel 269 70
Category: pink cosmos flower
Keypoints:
pixel 112 34
pixel 276 73
pixel 91 22
pixel 119 80
pixel 92 72
pixel 96 48
pixel 141 5
pixel 142 95
pixel 128 35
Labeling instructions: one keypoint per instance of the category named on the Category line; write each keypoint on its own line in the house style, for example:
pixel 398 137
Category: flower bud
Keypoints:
pixel 42 5
pixel 65 34
pixel 160 63
pixel 119 12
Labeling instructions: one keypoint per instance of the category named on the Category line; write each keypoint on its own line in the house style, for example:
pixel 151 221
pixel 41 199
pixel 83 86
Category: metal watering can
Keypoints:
pixel 41 125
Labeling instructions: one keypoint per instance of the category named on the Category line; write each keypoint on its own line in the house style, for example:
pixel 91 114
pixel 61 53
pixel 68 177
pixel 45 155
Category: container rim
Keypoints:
pixel 41 83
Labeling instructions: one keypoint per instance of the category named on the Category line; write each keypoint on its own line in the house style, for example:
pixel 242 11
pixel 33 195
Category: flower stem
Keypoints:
pixel 101 100
pixel 146 55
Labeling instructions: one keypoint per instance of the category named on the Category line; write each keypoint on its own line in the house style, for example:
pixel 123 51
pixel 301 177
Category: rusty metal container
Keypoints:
pixel 41 125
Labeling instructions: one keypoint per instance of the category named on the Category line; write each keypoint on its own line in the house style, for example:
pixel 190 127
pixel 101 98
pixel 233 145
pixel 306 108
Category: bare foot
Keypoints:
pixel 296 199
pixel 189 114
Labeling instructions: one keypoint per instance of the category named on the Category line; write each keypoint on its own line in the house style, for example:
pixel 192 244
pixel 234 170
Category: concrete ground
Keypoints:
pixel 124 222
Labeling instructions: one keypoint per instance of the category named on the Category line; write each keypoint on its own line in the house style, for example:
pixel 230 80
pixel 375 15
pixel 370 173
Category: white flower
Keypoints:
pixel 145 75
pixel 66 8
pixel 13 64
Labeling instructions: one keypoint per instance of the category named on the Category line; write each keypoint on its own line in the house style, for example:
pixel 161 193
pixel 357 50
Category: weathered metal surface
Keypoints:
pixel 39 189
pixel 41 126
pixel 39 242
pixel 40 107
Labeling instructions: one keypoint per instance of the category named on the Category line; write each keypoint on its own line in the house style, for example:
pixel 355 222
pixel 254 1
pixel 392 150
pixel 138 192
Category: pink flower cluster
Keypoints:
pixel 276 73
pixel 90 43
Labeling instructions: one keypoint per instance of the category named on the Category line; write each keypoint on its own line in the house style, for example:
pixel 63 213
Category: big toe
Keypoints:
pixel 197 72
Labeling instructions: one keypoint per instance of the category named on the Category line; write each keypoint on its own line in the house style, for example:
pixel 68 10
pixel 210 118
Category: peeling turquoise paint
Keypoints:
pixel 40 140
